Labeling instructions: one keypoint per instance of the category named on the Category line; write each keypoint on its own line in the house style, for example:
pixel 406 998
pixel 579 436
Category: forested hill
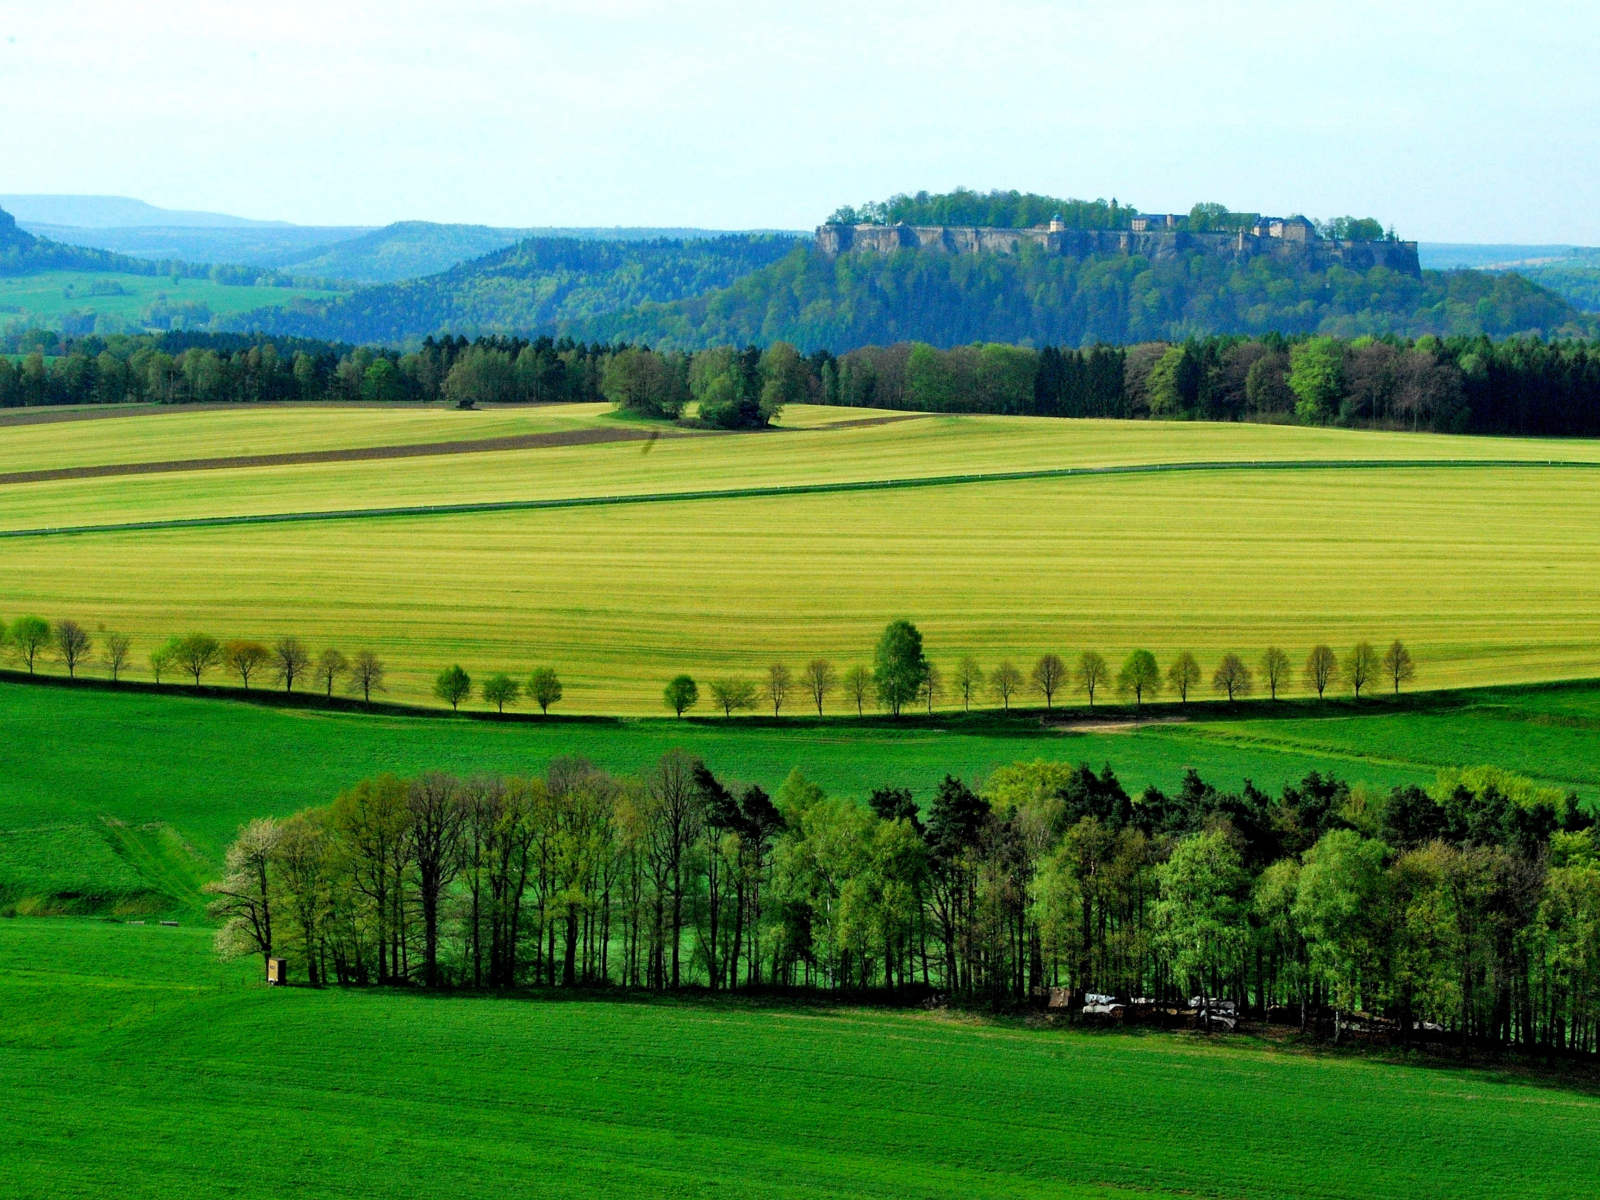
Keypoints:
pixel 537 284
pixel 865 298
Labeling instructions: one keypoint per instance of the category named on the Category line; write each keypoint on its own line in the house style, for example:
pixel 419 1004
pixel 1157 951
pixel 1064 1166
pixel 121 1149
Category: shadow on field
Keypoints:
pixel 1018 722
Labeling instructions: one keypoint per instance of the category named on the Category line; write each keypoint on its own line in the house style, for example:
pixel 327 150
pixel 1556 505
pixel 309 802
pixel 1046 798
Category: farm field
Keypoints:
pixel 1487 575
pixel 43 299
pixel 135 1063
pixel 805 451
pixel 125 801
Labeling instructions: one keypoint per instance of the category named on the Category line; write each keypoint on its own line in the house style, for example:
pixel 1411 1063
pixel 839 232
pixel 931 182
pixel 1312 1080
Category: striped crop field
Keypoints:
pixel 1486 571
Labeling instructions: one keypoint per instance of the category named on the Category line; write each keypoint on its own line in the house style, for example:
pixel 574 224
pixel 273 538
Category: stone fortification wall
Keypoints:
pixel 1081 243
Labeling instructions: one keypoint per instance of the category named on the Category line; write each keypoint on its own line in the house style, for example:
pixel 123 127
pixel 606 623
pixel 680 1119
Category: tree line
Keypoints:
pixel 1467 910
pixel 1521 386
pixel 900 678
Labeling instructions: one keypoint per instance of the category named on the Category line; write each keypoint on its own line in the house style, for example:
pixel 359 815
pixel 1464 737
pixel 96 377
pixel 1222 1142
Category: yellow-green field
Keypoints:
pixel 1489 573
pixel 805 451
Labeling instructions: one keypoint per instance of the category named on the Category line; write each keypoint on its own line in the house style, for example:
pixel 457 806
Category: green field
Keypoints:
pixel 136 1065
pixel 43 299
pixel 123 802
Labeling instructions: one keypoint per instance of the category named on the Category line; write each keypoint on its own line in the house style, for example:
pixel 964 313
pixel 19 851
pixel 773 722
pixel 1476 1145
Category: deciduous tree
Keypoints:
pixel 732 694
pixel 819 679
pixel 681 694
pixel 290 660
pixel 1231 678
pixel 1360 665
pixel 1183 674
pixel 244 659
pixel 73 645
pixel 545 687
pixel 968 680
pixel 1049 673
pixel 779 681
pixel 1139 677
pixel 116 651
pixel 1321 669
pixel 1093 670
pixel 1005 681
pixel 932 687
pixel 160 660
pixel 1275 669
pixel 1398 667
pixel 244 893
pixel 453 685
pixel 28 636
pixel 899 666
pixel 196 654
pixel 500 690
pixel 366 674
pixel 858 686
pixel 331 667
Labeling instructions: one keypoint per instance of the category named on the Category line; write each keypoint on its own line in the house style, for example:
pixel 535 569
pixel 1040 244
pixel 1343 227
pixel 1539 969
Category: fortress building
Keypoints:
pixel 1152 236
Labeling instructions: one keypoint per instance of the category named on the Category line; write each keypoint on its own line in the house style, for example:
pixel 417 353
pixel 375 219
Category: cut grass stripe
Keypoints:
pixel 804 489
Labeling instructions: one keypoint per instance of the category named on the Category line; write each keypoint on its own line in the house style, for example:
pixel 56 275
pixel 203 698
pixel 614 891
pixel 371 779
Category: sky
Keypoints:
pixel 1465 121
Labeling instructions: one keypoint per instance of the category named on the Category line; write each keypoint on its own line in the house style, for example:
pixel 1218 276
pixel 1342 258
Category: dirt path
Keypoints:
pixel 522 441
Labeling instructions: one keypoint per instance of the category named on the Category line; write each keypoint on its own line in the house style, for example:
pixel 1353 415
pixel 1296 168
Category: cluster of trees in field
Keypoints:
pixel 543 687
pixel 902 677
pixel 1021 210
pixel 1471 906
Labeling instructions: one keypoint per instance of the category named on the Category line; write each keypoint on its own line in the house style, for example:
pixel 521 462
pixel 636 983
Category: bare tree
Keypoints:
pixel 1183 674
pixel 244 659
pixel 290 661
pixel 1093 671
pixel 1360 665
pixel 932 687
pixel 1397 664
pixel 858 685
pixel 779 681
pixel 968 680
pixel 1049 673
pixel 1005 681
pixel 366 675
pixel 244 893
pixel 1321 669
pixel 73 645
pixel 1232 678
pixel 435 811
pixel 731 694
pixel 331 667
pixel 1275 669
pixel 116 652
pixel 819 679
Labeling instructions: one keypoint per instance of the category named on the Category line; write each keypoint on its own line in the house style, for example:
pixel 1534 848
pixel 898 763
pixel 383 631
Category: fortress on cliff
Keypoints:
pixel 1154 237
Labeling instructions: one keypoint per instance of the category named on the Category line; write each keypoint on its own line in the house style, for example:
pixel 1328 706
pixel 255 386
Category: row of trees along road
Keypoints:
pixel 1472 906
pixel 902 675
pixel 195 657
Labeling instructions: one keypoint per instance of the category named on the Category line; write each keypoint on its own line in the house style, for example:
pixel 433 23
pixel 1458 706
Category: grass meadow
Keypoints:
pixel 44 298
pixel 137 1064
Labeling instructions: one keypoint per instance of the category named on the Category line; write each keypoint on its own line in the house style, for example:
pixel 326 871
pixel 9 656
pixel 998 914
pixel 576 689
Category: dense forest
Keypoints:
pixel 865 298
pixel 1464 913
pixel 539 284
pixel 1520 386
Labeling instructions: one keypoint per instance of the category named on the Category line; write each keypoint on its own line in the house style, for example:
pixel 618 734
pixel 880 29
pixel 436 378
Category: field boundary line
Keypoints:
pixel 794 489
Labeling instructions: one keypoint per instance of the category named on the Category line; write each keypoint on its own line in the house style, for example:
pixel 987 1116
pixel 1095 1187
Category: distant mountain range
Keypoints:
pixel 107 212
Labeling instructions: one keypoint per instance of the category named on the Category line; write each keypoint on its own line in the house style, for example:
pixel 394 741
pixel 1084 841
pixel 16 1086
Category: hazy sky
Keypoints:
pixel 1456 121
